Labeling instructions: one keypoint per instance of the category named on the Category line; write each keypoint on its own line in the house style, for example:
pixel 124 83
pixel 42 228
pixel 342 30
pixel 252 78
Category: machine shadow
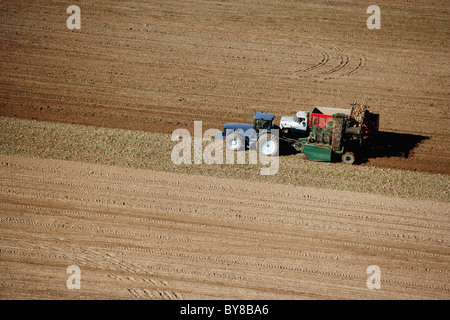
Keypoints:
pixel 392 144
pixel 386 145
pixel 286 149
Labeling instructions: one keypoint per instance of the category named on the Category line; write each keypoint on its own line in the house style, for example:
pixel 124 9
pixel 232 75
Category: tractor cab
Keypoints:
pixel 263 121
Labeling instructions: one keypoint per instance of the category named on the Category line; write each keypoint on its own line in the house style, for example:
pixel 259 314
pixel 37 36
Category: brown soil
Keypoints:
pixel 139 234
pixel 162 65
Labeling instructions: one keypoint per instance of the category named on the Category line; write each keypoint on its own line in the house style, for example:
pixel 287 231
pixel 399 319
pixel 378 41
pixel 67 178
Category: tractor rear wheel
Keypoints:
pixel 268 144
pixel 234 142
pixel 348 158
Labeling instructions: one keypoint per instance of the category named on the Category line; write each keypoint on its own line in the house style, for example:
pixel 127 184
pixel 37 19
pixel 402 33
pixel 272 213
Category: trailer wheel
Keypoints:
pixel 348 158
pixel 298 146
pixel 268 144
pixel 234 142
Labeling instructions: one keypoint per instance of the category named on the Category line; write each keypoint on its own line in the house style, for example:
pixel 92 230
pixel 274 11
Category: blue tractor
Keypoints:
pixel 260 135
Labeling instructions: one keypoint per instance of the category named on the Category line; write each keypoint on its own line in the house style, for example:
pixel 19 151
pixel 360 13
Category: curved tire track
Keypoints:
pixel 335 62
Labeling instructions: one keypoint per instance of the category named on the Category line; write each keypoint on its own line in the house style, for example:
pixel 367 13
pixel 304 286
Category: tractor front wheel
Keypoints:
pixel 234 142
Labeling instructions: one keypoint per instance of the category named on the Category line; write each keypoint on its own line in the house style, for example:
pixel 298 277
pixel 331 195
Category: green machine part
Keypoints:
pixel 324 141
pixel 317 152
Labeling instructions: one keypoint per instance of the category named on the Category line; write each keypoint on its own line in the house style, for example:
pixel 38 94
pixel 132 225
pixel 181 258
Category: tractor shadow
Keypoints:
pixel 392 144
pixel 286 149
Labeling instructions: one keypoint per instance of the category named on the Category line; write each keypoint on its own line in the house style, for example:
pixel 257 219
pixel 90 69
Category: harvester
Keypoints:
pixel 335 132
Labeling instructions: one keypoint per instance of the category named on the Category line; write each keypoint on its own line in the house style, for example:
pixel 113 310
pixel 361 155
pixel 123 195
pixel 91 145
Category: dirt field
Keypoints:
pixel 112 91
pixel 160 65
pixel 153 235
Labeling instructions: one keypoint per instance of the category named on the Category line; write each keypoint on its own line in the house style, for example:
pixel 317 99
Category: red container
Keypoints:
pixel 319 120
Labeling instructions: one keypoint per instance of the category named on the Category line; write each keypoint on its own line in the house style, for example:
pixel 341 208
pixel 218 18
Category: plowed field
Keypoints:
pixel 160 65
pixel 137 70
pixel 154 235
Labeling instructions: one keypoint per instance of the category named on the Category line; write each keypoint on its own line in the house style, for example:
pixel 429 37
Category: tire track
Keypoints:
pixel 168 193
pixel 321 216
pixel 235 189
pixel 335 62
